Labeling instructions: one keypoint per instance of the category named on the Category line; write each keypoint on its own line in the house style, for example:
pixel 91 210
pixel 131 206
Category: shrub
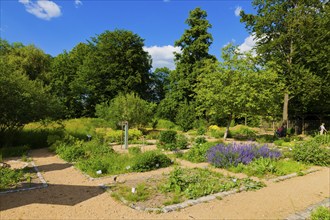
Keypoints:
pixel 70 153
pixel 167 139
pixel 311 152
pixel 232 155
pixel 200 140
pixel 154 134
pixel 150 160
pixel 181 141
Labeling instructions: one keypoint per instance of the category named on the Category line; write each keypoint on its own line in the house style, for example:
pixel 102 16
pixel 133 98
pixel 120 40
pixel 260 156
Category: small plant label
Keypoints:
pixel 99 172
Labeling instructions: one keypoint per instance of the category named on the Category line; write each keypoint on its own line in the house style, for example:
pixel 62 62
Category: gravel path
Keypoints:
pixel 71 195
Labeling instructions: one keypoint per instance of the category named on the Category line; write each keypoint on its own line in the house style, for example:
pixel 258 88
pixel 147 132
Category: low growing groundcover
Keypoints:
pixel 179 185
pixel 12 179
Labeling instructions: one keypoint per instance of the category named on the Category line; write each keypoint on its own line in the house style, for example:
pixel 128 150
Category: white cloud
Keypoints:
pixel 248 44
pixel 238 10
pixel 77 3
pixel 162 56
pixel 43 9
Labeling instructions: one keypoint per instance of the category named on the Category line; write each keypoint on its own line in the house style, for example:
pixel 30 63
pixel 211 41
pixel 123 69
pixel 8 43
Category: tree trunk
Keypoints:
pixel 227 128
pixel 285 109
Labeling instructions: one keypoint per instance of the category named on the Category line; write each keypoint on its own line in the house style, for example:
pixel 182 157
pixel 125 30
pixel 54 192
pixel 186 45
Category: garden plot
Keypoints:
pixel 17 175
pixel 180 188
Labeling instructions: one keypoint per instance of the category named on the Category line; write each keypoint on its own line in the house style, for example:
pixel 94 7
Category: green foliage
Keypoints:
pixel 312 152
pixel 22 101
pixel 243 133
pixel 194 183
pixel 197 153
pixel 321 213
pixel 170 140
pixel 150 160
pixel 116 64
pixel 153 134
pixel 167 137
pixel 185 116
pixel 71 153
pixel 236 87
pixel 116 136
pixel 10 178
pixel 200 140
pixel 129 107
pixel 134 150
pixel 165 124
pixel 14 151
pixel 181 141
pixel 265 167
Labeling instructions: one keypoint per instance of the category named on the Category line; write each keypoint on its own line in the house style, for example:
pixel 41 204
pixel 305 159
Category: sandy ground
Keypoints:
pixel 71 195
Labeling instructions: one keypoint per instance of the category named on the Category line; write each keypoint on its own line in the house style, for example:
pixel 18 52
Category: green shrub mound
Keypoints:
pixel 170 140
pixel 313 152
pixel 150 160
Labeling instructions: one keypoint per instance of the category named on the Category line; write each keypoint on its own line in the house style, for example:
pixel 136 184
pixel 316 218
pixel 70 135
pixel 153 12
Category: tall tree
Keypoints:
pixel 22 100
pixel 281 27
pixel 117 63
pixel 194 45
pixel 235 87
pixel 159 84
pixel 64 70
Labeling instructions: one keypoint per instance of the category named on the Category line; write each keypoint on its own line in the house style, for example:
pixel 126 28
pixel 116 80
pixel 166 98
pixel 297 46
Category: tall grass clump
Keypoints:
pixel 226 156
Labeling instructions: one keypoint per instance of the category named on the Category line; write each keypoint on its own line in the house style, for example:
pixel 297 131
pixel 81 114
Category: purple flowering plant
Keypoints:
pixel 233 154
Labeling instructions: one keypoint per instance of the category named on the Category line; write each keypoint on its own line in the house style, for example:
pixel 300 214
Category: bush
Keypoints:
pixel 231 155
pixel 311 152
pixel 181 141
pixel 116 136
pixel 167 139
pixel 150 160
pixel 70 153
pixel 200 140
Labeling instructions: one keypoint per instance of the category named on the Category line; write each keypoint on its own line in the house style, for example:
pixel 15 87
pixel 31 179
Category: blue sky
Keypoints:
pixel 55 26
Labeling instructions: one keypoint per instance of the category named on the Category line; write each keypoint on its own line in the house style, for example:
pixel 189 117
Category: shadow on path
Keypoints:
pixel 53 167
pixel 68 195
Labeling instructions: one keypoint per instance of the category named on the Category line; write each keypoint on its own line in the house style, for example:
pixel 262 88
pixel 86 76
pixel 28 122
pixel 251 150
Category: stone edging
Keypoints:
pixel 44 183
pixel 182 205
pixel 289 176
pixel 305 214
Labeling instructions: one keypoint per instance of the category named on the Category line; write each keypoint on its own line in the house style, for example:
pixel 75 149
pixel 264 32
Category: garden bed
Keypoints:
pixel 178 189
pixel 20 176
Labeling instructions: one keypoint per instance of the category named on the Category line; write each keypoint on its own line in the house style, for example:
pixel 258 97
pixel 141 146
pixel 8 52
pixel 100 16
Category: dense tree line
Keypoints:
pixel 288 69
